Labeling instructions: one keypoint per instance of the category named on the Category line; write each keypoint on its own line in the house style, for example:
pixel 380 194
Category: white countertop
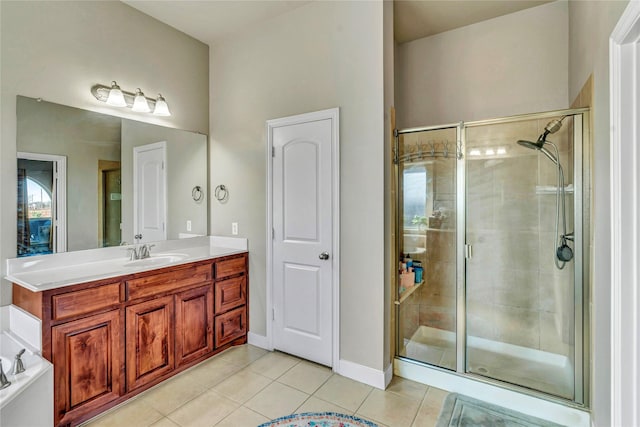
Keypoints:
pixel 45 272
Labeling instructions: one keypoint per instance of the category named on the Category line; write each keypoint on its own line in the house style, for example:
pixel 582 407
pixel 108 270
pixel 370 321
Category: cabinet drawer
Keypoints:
pixel 230 326
pixel 167 282
pixel 230 293
pixel 85 301
pixel 230 267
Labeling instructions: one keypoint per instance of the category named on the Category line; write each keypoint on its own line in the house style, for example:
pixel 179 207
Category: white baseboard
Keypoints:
pixel 364 374
pixel 258 340
pixel 388 375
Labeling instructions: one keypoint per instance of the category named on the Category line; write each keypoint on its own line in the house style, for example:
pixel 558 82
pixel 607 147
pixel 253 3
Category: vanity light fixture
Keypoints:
pixel 140 103
pixel 113 95
pixel 161 109
pixel 116 97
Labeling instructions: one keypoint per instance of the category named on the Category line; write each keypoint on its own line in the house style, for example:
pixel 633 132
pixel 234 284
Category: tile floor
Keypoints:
pixel 247 386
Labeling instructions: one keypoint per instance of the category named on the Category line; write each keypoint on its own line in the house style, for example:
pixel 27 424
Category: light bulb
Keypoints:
pixel 140 103
pixel 162 109
pixel 116 97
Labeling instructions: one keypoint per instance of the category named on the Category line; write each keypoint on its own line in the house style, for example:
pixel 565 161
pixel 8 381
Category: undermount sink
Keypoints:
pixel 154 260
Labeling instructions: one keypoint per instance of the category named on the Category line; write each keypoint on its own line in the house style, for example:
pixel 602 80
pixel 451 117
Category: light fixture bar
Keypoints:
pixel 101 93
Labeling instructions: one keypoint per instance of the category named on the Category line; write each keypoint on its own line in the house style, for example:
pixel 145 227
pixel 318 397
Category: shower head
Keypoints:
pixel 552 127
pixel 539 147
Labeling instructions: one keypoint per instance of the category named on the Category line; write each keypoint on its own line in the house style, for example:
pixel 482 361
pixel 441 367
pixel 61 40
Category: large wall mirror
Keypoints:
pixel 88 180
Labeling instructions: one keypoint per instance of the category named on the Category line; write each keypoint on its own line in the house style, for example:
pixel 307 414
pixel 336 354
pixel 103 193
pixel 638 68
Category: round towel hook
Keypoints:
pixel 221 193
pixel 197 193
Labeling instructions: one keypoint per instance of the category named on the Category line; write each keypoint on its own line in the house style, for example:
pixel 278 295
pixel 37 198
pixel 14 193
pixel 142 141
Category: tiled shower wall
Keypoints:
pixel 515 294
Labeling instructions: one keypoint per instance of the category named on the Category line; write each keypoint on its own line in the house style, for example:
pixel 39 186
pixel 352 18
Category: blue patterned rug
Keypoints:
pixel 463 411
pixel 319 419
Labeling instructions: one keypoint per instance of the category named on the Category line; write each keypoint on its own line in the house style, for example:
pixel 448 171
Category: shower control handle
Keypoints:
pixel 324 256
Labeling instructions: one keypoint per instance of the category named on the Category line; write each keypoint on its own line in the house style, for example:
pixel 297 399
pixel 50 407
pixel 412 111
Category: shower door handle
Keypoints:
pixel 468 251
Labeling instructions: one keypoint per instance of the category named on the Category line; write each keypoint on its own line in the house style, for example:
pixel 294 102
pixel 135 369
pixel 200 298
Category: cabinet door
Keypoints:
pixel 230 326
pixel 230 293
pixel 87 361
pixel 194 324
pixel 149 341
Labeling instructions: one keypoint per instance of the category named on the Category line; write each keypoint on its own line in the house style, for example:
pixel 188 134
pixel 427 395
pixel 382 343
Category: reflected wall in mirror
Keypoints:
pixel 99 202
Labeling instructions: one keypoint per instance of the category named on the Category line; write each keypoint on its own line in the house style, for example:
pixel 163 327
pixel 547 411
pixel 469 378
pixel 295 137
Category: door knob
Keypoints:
pixel 324 256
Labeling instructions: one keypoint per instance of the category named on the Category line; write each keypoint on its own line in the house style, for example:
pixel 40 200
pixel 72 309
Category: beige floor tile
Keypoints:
pixel 436 396
pixel 305 376
pixel 273 365
pixel 173 393
pixel 407 388
pixel 134 413
pixel 164 422
pixel 276 400
pixel 212 371
pixel 242 385
pixel 313 404
pixel 205 410
pixel 389 408
pixel 377 423
pixel 344 392
pixel 243 417
pixel 427 415
pixel 242 355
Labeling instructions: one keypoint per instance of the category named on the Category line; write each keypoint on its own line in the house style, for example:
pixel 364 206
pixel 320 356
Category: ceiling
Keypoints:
pixel 213 20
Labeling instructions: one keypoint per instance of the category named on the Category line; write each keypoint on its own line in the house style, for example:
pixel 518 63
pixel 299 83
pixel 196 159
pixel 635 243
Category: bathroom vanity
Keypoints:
pixel 116 334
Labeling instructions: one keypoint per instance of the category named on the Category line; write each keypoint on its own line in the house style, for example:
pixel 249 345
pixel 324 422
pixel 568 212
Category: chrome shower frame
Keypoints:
pixel 582 172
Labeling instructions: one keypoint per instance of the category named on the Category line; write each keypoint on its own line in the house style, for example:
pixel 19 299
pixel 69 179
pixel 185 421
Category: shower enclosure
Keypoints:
pixel 493 243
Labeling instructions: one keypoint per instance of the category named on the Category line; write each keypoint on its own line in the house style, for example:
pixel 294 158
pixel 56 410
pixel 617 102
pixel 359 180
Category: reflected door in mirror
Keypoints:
pixel 37 205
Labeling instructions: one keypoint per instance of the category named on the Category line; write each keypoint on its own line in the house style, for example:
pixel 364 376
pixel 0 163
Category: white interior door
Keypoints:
pixel 303 239
pixel 149 192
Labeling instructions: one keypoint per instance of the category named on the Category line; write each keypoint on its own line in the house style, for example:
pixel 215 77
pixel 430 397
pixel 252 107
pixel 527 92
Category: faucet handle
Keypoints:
pixel 18 364
pixel 4 382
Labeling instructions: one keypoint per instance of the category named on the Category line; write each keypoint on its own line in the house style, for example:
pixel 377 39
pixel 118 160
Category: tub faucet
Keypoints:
pixel 4 382
pixel 18 364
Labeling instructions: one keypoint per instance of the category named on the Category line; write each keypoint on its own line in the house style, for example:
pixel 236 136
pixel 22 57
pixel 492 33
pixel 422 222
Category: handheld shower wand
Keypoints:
pixel 563 253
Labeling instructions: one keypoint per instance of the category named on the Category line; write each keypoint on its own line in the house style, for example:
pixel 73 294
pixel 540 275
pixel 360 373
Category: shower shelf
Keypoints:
pixel 404 295
pixel 551 189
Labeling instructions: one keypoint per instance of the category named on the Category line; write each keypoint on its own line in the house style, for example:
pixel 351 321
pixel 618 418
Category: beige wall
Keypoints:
pixel 58 50
pixel 513 64
pixel 321 55
pixel 590 25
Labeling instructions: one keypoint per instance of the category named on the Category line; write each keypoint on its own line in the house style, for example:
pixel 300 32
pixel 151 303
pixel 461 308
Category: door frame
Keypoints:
pixel 60 189
pixel 624 69
pixel 136 153
pixel 333 114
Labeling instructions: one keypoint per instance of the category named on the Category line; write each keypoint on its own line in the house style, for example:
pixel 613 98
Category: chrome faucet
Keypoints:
pixel 18 364
pixel 4 382
pixel 140 251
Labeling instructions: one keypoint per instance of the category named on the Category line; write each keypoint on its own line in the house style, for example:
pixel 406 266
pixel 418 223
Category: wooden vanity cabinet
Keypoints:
pixel 149 341
pixel 111 339
pixel 87 364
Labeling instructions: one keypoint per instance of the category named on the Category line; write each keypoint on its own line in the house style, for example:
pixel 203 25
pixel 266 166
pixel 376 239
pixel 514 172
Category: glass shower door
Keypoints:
pixel 426 298
pixel 520 324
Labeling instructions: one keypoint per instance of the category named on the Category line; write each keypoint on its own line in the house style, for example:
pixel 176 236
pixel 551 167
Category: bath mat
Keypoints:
pixel 463 411
pixel 319 419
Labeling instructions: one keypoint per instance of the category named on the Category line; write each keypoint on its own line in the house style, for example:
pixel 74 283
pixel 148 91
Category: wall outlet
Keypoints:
pixel 234 228
pixel 188 225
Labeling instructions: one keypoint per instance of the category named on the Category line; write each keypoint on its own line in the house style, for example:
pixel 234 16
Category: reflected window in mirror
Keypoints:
pixel 36 207
pixel 417 194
